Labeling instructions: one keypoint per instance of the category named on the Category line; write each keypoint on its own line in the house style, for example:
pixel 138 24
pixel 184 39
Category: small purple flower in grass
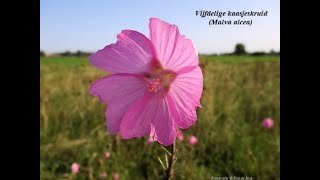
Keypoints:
pixel 115 176
pixel 193 140
pixel 267 123
pixel 103 175
pixel 75 168
pixel 107 154
pixel 155 84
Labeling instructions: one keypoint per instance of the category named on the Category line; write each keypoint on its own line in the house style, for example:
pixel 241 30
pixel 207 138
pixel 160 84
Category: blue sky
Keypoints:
pixel 90 25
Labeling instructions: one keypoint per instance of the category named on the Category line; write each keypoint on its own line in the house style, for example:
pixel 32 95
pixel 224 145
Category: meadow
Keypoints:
pixel 239 92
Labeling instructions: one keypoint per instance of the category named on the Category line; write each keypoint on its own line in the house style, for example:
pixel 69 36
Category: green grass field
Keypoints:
pixel 239 92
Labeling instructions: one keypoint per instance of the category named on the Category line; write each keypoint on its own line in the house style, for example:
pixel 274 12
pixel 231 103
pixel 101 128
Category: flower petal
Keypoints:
pixel 130 54
pixel 185 93
pixel 164 123
pixel 173 50
pixel 119 91
pixel 136 121
pixel 150 115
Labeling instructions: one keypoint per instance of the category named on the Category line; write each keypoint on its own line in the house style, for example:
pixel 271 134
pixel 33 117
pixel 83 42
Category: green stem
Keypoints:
pixel 172 160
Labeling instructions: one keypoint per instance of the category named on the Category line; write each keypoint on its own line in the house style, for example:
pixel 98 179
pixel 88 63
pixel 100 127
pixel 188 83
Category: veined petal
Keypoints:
pixel 130 54
pixel 173 50
pixel 185 93
pixel 136 121
pixel 150 115
pixel 119 91
pixel 164 123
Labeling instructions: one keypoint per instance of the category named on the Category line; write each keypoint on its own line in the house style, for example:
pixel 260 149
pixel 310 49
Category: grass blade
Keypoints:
pixel 161 163
pixel 166 150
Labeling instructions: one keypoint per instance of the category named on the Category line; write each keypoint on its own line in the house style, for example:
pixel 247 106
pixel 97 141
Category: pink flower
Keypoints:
pixel 75 168
pixel 115 176
pixel 267 123
pixel 103 174
pixel 180 136
pixel 107 154
pixel 193 140
pixel 155 84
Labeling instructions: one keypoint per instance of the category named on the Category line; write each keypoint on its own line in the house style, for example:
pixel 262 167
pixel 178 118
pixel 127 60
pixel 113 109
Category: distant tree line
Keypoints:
pixel 240 50
pixel 67 54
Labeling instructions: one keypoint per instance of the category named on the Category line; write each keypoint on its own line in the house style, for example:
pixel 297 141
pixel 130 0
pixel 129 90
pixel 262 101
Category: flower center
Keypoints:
pixel 158 78
pixel 154 85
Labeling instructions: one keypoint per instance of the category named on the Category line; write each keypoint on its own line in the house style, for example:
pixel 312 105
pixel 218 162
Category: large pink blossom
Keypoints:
pixel 155 84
